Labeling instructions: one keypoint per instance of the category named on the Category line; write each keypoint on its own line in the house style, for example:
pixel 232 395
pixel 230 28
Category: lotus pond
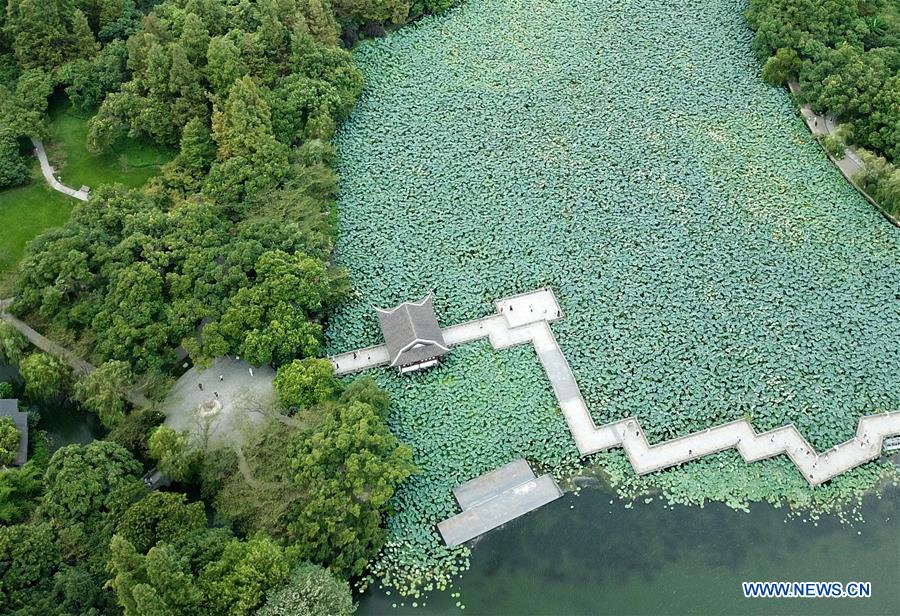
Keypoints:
pixel 590 555
pixel 711 261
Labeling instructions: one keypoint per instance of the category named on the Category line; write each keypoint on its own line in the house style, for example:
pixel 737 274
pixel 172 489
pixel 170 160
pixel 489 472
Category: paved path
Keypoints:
pixel 48 171
pixel 820 126
pixel 851 164
pixel 79 366
pixel 246 400
pixel 526 318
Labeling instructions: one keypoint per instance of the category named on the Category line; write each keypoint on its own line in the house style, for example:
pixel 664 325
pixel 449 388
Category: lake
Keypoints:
pixel 66 423
pixel 586 555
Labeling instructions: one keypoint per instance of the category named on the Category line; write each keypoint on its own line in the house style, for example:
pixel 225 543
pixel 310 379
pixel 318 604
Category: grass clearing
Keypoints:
pixel 25 212
pixel 130 162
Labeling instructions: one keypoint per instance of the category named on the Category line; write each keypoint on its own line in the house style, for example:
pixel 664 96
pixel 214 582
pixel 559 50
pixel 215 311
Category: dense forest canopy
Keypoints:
pixel 846 56
pixel 226 252
pixel 250 93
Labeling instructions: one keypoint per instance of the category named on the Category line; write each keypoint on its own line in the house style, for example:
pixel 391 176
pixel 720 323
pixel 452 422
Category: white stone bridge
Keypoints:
pixel 526 318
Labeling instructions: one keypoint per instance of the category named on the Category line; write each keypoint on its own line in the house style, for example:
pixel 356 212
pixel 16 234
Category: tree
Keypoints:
pixel 197 147
pixel 103 391
pixel 203 572
pixel 38 32
pixel 28 557
pixel 349 467
pixel 86 481
pixel 46 33
pixel 160 516
pixel 272 321
pixel 236 583
pixel 170 450
pixel 159 583
pixel 194 38
pixel 360 11
pixel 12 167
pixel 90 80
pixel 83 44
pixel 223 64
pixel 134 323
pixel 321 21
pixel 365 390
pixel 12 345
pixel 133 432
pixel 9 440
pixel 781 67
pixel 75 591
pixel 310 591
pixel 6 390
pixel 47 378
pixel 19 490
pixel 249 158
pixel 30 102
pixel 306 383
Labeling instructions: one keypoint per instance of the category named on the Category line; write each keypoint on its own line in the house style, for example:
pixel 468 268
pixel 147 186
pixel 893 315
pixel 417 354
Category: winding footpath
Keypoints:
pixel 851 164
pixel 526 318
pixel 47 170
pixel 79 366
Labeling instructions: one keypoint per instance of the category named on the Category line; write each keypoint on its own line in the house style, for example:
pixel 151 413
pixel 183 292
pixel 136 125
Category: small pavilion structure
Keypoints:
pixel 9 407
pixel 412 335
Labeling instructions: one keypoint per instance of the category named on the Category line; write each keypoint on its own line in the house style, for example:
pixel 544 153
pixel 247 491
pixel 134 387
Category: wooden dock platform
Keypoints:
pixel 495 498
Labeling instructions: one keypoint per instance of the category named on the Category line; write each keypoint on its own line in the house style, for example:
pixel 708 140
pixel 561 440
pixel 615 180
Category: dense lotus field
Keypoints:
pixel 711 262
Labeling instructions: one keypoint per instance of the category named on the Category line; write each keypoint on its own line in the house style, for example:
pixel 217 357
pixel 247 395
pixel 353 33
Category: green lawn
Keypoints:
pixel 28 210
pixel 131 161
pixel 24 213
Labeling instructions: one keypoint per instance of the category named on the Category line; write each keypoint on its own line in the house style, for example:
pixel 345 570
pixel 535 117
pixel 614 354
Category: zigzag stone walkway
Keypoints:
pixel 526 318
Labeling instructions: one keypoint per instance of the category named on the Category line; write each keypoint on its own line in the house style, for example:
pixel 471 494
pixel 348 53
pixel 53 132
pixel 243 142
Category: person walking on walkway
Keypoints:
pixel 200 385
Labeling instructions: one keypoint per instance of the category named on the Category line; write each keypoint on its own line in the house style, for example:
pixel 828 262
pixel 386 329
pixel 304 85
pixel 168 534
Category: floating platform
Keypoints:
pixel 891 444
pixel 495 498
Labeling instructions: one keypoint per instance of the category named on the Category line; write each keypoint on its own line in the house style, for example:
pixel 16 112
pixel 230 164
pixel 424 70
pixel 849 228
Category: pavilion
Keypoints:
pixel 412 335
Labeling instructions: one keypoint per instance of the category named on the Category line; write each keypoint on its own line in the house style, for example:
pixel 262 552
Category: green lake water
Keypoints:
pixel 64 424
pixel 601 558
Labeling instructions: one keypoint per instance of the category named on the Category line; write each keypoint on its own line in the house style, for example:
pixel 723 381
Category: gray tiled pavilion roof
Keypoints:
pixel 10 408
pixel 411 332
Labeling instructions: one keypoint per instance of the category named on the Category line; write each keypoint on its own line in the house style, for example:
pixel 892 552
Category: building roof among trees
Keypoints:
pixel 411 333
pixel 10 408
